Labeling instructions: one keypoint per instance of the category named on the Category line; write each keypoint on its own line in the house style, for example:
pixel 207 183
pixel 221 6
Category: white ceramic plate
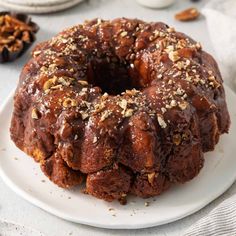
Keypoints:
pixel 39 8
pixel 23 175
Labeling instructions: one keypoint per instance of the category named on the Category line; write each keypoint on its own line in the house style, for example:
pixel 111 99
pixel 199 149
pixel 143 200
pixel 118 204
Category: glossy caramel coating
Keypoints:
pixel 127 105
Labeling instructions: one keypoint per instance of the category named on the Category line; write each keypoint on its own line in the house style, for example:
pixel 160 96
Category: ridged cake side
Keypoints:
pixel 128 106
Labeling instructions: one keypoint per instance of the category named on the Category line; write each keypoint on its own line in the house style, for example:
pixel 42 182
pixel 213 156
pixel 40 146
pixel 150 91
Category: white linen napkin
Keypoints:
pixel 220 221
pixel 221 20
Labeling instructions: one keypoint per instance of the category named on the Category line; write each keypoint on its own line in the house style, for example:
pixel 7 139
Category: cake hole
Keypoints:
pixel 112 78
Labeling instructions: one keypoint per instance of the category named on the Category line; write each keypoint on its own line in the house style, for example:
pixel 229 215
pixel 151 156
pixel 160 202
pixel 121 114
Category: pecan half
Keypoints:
pixel 188 14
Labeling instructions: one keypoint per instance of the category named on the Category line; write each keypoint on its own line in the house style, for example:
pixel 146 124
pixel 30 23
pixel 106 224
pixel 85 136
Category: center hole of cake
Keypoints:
pixel 112 78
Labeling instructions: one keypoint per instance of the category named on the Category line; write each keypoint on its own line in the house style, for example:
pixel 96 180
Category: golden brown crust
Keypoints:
pixel 124 99
pixel 57 171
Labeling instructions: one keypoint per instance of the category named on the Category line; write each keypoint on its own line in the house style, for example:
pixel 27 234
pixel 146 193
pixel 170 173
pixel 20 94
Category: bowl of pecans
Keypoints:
pixel 17 33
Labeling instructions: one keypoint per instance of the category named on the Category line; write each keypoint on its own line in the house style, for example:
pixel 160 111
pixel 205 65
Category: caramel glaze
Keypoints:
pixel 128 106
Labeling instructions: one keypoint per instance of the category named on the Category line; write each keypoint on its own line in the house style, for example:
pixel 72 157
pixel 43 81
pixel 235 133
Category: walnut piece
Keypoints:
pixel 151 177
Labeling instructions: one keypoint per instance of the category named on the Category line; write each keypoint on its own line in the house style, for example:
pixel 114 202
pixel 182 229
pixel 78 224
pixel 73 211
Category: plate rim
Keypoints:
pixel 41 9
pixel 46 207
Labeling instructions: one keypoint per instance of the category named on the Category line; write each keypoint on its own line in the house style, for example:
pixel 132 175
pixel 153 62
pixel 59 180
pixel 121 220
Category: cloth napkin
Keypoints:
pixel 220 221
pixel 221 21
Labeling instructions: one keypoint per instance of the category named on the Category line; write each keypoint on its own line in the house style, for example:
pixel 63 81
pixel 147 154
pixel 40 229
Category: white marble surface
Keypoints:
pixel 15 209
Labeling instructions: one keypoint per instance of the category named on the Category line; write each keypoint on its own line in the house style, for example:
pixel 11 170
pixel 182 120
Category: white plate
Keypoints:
pixel 39 9
pixel 23 175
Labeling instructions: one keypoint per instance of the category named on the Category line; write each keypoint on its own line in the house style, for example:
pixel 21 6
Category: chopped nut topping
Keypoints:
pixel 180 65
pixel 185 136
pixel 161 121
pixel 57 83
pixel 156 33
pixel 173 55
pixel 198 45
pixel 105 115
pixel 36 53
pixel 173 103
pixel 188 62
pixel 214 83
pixel 132 92
pixel 59 86
pixel 162 34
pixel 95 139
pixel 84 115
pixel 105 95
pixel 188 77
pixel 34 114
pixel 69 102
pixel 183 105
pixel 202 81
pixel 128 113
pixel 83 82
pixel 169 48
pixel 123 34
pixel 49 83
pixel 84 89
pixel 163 110
pixel 211 78
pixel 171 30
pixel 99 107
pixel 99 21
pixel 151 177
pixel 123 104
pixel 151 38
pixel 177 139
pixel 66 81
pixel 179 91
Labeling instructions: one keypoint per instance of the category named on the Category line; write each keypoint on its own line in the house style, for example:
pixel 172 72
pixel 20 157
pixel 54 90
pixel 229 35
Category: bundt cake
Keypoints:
pixel 123 105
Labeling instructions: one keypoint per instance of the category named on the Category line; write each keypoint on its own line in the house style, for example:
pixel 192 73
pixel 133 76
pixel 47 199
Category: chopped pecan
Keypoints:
pixel 14 33
pixel 151 177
